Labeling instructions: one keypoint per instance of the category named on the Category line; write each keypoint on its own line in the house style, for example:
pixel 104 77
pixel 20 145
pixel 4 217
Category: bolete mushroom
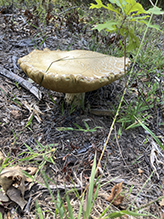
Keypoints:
pixel 72 72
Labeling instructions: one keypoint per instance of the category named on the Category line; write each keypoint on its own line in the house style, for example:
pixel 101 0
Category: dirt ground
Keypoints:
pixel 126 158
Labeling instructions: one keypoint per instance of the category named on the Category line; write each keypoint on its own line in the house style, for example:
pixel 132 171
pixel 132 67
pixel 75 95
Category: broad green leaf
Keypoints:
pixel 132 18
pixel 120 3
pixel 155 26
pixel 133 6
pixel 111 8
pixel 155 10
pixel 99 4
pixel 110 26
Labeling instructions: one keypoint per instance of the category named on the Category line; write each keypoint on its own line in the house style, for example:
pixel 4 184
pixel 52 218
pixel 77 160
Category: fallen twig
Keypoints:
pixel 28 86
pixel 61 187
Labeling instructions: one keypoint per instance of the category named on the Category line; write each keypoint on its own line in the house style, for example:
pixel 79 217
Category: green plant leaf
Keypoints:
pixel 29 122
pixel 133 41
pixel 64 129
pixel 155 26
pixel 99 4
pixel 110 26
pixel 86 125
pixel 39 210
pixel 152 134
pixel 111 8
pixel 120 3
pixel 81 207
pixel 90 192
pixel 115 215
pixel 69 208
pixel 133 6
pixel 132 213
pixel 79 127
pixel 155 10
pixel 130 18
pixel 121 213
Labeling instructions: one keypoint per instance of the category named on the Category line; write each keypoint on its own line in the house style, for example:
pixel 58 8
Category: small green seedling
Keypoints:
pixel 126 11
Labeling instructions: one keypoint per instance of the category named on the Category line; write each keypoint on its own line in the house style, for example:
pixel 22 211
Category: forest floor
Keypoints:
pixel 26 122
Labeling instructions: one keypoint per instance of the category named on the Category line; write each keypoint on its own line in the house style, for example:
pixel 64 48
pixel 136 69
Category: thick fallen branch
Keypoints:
pixel 28 86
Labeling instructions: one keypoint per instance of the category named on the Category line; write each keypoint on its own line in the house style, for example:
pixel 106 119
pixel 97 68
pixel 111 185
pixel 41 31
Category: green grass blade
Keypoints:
pixel 151 133
pixel 39 210
pixel 81 207
pixel 91 186
pixel 69 208
pixel 58 202
pixel 121 213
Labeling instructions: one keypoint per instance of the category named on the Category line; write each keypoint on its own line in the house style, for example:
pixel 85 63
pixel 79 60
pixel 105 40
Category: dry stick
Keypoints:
pixel 28 86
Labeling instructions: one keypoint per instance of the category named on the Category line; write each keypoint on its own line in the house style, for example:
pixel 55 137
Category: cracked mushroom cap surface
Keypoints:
pixel 73 71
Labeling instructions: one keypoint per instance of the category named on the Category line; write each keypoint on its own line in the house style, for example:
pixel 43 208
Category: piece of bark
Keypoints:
pixel 28 86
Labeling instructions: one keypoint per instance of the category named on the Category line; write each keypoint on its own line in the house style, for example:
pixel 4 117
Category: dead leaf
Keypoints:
pixel 115 196
pixel 1 158
pixel 15 195
pixel 140 171
pixel 3 197
pixel 12 176
pixel 161 202
pixel 16 114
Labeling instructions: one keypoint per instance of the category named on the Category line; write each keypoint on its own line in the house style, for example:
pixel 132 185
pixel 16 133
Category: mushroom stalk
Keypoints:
pixel 76 99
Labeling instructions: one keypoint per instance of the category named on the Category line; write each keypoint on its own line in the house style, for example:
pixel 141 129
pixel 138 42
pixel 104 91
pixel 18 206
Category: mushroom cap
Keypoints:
pixel 73 71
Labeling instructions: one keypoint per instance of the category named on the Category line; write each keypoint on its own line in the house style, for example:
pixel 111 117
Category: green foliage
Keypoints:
pixel 127 11
pixel 90 199
pixel 15 100
pixel 38 210
pixel 152 134
pixel 46 152
pixel 79 128
pixel 124 212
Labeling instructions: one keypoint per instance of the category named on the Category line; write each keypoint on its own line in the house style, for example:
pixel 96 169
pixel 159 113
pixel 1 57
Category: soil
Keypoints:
pixel 127 157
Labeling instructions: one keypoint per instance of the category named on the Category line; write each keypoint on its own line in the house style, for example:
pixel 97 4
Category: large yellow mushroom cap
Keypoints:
pixel 75 71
